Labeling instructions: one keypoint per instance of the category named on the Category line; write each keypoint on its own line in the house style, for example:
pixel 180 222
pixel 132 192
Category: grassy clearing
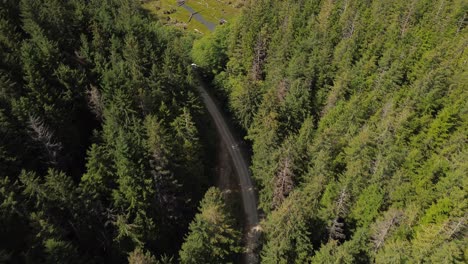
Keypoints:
pixel 212 10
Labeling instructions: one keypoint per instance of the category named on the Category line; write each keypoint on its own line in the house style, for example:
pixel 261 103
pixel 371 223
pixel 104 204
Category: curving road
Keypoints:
pixel 200 18
pixel 249 200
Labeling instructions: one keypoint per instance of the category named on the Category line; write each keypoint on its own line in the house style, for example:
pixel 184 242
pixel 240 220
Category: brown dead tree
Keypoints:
pixel 95 101
pixel 260 53
pixel 42 134
pixel 284 183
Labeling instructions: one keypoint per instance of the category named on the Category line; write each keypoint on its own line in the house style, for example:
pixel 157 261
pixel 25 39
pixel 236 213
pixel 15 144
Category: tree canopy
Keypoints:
pixel 357 115
pixel 91 94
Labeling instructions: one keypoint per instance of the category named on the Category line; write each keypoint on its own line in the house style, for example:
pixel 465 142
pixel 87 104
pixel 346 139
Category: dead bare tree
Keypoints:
pixel 284 183
pixel 345 5
pixel 336 230
pixel 462 23
pixel 342 207
pixel 42 134
pixel 95 101
pixel 407 18
pixel 259 57
pixel 283 88
pixel 348 31
pixel 455 228
pixel 383 227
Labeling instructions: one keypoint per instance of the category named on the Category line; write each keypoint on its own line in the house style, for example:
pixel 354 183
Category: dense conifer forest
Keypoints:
pixel 102 136
pixel 355 112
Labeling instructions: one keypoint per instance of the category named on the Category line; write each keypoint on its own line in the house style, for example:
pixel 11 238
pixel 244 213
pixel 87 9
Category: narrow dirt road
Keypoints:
pixel 249 201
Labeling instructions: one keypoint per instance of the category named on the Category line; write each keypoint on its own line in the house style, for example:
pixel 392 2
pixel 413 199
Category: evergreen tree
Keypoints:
pixel 212 237
pixel 365 100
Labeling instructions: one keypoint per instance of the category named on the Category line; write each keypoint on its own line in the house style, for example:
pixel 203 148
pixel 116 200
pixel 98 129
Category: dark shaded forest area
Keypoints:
pixel 103 142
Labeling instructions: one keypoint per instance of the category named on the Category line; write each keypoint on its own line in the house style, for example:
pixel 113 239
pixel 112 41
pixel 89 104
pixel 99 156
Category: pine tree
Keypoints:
pixel 212 237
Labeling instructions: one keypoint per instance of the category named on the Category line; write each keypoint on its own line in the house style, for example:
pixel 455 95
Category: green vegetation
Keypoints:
pixel 102 153
pixel 214 10
pixel 171 13
pixel 212 237
pixel 357 112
